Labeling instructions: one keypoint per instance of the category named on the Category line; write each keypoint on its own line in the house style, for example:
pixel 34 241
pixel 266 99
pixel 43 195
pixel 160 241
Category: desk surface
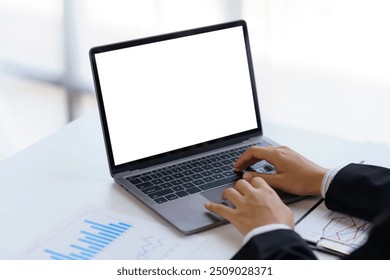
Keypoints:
pixel 52 179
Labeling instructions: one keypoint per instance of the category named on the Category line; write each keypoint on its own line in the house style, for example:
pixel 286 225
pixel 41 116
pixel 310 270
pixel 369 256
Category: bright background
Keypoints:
pixel 321 65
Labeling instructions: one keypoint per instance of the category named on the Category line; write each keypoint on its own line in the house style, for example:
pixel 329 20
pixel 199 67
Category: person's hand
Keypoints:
pixel 294 173
pixel 256 204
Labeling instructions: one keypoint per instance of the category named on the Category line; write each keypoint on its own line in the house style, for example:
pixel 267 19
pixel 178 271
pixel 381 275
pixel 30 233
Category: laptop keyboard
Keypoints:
pixel 189 177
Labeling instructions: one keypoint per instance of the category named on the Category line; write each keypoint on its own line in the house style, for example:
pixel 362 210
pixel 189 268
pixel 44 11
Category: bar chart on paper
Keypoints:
pixel 95 233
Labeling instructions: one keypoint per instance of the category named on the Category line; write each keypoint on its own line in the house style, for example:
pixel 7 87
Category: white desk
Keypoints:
pixel 52 179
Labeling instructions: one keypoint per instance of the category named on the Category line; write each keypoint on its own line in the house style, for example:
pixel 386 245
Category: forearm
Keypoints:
pixel 359 190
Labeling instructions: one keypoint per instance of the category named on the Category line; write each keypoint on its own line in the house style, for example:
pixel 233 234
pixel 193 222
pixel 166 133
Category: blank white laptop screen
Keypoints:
pixel 176 93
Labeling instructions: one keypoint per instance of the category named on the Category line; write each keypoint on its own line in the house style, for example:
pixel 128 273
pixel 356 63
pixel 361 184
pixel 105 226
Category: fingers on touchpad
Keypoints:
pixel 215 196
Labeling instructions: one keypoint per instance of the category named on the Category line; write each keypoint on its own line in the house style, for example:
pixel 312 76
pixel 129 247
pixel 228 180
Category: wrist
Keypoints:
pixel 318 180
pixel 263 229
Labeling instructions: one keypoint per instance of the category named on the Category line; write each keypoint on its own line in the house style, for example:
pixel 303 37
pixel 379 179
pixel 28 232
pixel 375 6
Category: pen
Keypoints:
pixel 324 249
pixel 325 245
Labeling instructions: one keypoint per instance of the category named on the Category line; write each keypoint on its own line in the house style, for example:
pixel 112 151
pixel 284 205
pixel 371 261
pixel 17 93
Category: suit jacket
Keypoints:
pixel 360 190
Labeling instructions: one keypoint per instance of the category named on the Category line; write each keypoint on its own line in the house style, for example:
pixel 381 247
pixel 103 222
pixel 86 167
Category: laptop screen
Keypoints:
pixel 170 94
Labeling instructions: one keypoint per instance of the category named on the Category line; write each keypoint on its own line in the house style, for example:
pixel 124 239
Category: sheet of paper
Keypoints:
pixel 95 233
pixel 332 230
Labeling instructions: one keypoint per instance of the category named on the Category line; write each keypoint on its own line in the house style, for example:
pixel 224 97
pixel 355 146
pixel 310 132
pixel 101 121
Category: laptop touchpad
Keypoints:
pixel 215 196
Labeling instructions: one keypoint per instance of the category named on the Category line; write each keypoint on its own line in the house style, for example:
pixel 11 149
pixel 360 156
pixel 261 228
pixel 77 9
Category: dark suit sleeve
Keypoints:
pixel 279 244
pixel 364 191
pixel 360 190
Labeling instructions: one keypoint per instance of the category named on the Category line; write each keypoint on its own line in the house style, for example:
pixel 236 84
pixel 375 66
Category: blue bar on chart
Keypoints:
pixel 92 239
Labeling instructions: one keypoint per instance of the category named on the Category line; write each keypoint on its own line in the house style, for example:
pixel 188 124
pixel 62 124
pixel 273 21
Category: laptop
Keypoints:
pixel 176 111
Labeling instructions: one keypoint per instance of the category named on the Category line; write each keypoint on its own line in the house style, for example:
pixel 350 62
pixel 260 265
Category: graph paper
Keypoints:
pixel 335 231
pixel 94 233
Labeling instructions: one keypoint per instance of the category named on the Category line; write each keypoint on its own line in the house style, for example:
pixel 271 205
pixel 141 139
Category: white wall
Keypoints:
pixel 325 65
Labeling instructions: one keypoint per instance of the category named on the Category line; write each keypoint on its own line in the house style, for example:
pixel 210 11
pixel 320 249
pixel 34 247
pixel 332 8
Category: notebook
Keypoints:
pixel 176 111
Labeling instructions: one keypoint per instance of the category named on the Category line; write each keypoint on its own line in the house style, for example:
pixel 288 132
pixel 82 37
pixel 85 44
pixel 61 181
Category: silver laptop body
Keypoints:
pixel 174 108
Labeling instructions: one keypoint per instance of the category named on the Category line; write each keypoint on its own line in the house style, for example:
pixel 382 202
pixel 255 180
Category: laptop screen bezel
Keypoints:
pixel 186 151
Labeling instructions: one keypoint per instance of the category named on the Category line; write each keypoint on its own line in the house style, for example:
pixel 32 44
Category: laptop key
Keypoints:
pixel 218 176
pixel 217 171
pixel 268 168
pixel 198 182
pixel 229 173
pixel 207 173
pixel 197 169
pixel 185 167
pixel 160 193
pixel 177 188
pixel 207 167
pixel 144 185
pixel 176 182
pixel 146 178
pixel 168 178
pixel 206 161
pixel 178 175
pixel 227 162
pixel 188 172
pixel 171 196
pixel 187 179
pixel 196 176
pixel 214 158
pixel 182 193
pixel 194 190
pixel 134 181
pixel 152 189
pixel 196 164
pixel 161 200
pixel 188 185
pixel 157 181
pixel 176 169
pixel 208 179
pixel 155 175
pixel 226 168
pixel 166 185
pixel 166 172
pixel 224 156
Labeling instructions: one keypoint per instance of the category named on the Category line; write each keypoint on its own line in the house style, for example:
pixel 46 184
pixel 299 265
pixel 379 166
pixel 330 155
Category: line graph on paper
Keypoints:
pixel 95 233
pixel 342 232
pixel 345 228
pixel 151 244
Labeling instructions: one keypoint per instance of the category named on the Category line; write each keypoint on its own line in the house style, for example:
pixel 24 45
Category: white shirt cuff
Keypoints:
pixel 328 178
pixel 263 229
